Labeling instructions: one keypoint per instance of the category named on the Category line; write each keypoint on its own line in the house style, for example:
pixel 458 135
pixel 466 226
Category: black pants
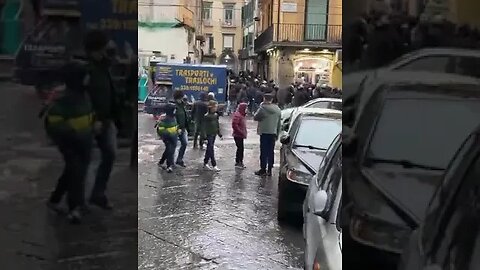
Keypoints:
pixel 267 151
pixel 76 155
pixel 169 152
pixel 198 133
pixel 107 143
pixel 210 152
pixel 240 150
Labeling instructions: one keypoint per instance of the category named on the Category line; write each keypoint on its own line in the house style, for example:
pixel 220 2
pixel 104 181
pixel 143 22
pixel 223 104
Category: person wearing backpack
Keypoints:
pixel 69 124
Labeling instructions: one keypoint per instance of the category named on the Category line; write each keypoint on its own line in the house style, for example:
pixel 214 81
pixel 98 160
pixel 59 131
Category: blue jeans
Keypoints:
pixel 267 151
pixel 210 152
pixel 183 137
pixel 107 143
pixel 169 152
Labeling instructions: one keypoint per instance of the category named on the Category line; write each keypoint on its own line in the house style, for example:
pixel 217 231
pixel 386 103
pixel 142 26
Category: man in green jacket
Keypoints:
pixel 268 117
pixel 183 122
pixel 106 108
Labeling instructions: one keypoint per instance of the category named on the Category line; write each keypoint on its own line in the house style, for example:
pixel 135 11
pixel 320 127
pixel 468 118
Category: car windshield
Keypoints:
pixel 317 133
pixel 413 130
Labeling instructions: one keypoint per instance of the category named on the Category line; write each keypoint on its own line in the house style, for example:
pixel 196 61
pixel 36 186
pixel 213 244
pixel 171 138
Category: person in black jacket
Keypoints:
pixel 200 108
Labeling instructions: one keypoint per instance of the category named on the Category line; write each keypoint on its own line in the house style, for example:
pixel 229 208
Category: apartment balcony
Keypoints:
pixel 300 35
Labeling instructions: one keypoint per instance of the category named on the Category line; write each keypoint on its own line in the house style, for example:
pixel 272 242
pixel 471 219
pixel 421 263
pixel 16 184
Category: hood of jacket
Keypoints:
pixel 242 108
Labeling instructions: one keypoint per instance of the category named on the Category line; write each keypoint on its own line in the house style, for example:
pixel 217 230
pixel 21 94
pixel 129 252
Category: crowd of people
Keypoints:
pixel 376 39
pixel 174 126
pixel 246 87
pixel 247 94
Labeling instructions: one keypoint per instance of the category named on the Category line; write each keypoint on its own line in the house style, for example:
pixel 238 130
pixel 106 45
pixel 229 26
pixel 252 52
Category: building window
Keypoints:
pixel 228 13
pixel 228 42
pixel 210 44
pixel 207 11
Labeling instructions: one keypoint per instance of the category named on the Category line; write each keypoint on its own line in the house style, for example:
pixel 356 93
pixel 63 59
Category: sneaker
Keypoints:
pixel 240 166
pixel 207 167
pixel 181 164
pixel 75 216
pixel 261 173
pixel 269 173
pixel 101 202
pixel 216 169
pixel 161 165
pixel 169 170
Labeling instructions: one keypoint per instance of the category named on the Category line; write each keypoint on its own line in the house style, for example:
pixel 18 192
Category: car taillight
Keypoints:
pixel 316 265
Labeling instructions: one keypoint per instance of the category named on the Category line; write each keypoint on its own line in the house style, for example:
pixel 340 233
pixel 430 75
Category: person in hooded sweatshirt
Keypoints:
pixel 239 127
pixel 268 117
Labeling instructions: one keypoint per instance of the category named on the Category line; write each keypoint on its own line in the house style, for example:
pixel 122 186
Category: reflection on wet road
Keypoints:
pixel 196 219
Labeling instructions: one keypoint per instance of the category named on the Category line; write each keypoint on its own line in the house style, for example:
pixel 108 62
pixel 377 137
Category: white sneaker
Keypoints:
pixel 216 169
pixel 207 167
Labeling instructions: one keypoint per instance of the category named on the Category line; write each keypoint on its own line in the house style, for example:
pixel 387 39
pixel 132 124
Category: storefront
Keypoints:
pixel 313 70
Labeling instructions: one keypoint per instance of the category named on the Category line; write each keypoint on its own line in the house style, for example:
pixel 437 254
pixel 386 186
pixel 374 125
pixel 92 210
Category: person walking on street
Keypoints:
pixel 239 126
pixel 167 129
pixel 69 123
pixel 199 110
pixel 212 129
pixel 106 108
pixel 183 122
pixel 268 117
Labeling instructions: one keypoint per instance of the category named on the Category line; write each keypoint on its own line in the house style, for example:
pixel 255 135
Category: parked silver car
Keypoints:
pixel 321 212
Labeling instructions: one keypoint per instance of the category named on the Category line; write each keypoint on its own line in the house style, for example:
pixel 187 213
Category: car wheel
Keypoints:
pixel 281 207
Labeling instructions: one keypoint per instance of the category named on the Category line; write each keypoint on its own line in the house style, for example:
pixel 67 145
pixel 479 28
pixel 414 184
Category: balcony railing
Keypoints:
pixel 299 33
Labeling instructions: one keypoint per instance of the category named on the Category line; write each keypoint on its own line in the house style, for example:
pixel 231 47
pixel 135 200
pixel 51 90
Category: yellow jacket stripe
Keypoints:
pixel 171 130
pixel 77 123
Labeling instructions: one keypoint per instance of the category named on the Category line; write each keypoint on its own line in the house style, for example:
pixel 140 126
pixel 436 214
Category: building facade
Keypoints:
pixel 221 32
pixel 299 41
pixel 166 31
pixel 247 53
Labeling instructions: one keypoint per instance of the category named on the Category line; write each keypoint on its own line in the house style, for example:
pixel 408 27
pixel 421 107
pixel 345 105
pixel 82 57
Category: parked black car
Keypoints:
pixel 302 151
pixel 392 166
pixel 450 236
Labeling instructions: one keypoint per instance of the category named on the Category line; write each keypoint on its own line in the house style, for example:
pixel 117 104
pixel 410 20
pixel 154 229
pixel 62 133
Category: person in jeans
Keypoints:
pixel 239 127
pixel 268 117
pixel 167 129
pixel 106 108
pixel 69 123
pixel 183 122
pixel 212 129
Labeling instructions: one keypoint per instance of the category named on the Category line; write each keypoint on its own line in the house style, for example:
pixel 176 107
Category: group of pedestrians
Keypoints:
pixel 250 89
pixel 376 39
pixel 175 125
pixel 83 113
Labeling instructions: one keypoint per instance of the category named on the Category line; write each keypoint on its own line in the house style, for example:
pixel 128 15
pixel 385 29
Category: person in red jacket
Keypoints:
pixel 239 127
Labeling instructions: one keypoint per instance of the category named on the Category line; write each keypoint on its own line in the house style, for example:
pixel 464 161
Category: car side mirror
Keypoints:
pixel 320 200
pixel 285 139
